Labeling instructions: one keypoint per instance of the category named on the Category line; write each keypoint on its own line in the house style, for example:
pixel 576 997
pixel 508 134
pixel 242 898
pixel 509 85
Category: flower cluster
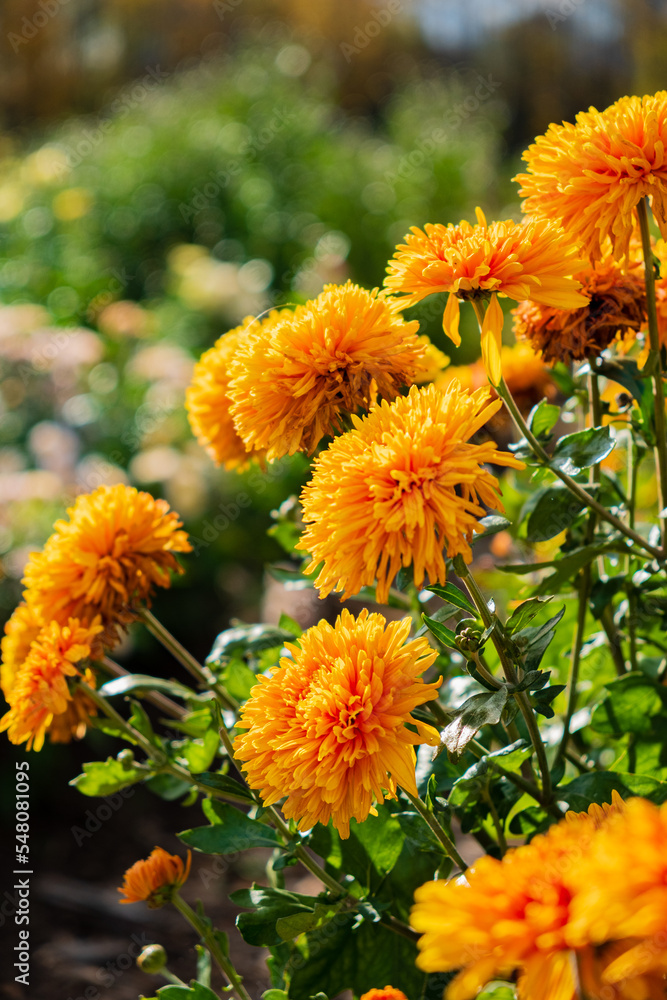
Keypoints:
pixel 278 385
pixel 581 910
pixel 95 571
pixel 329 728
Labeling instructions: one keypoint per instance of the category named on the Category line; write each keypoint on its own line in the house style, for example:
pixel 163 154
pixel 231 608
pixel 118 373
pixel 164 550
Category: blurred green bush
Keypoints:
pixel 131 240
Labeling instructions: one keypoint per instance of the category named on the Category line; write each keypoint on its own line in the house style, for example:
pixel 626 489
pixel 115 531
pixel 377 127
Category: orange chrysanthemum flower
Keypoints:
pixel 329 728
pixel 591 175
pixel 529 260
pixel 117 545
pixel 399 488
pixel 331 357
pixel 40 692
pixel 624 893
pixel 155 880
pixel 20 631
pixel 617 307
pixel 388 993
pixel 510 915
pixel 207 400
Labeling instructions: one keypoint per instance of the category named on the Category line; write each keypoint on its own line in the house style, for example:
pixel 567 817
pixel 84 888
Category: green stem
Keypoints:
pixel 585 579
pixel 573 678
pixel 206 933
pixel 133 734
pixel 522 701
pixel 201 673
pixel 654 365
pixel 613 638
pixel 574 487
pixel 431 821
pixel 500 833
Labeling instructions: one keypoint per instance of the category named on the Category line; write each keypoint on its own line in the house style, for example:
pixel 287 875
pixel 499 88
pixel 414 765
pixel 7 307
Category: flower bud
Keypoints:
pixel 152 958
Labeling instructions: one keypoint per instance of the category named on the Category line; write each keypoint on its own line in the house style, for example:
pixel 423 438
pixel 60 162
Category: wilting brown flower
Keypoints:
pixel 617 308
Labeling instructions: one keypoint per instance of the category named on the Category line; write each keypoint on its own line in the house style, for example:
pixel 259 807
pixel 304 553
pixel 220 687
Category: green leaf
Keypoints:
pixel 533 641
pixel 568 567
pixel 342 956
pixel 223 783
pixel 480 710
pixel 469 784
pixel 289 625
pixel 243 639
pixel 238 678
pixel 369 853
pixel 582 449
pixel 454 596
pixel 554 510
pixel 196 991
pixel 542 418
pixel 441 632
pixel 274 995
pixel 300 923
pixel 137 682
pixel 168 786
pixel 104 777
pixel 597 786
pixel 492 524
pixel 628 706
pixel 525 613
pixel 199 754
pixel 268 906
pixel 509 758
pixel 203 965
pixel 230 831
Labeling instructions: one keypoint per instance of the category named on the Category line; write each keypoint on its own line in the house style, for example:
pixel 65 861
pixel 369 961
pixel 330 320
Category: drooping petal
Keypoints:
pixel 450 319
pixel 492 332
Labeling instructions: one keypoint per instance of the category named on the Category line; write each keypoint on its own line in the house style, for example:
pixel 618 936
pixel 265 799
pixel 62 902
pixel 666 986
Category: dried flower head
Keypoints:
pixel 591 175
pixel 401 487
pixel 331 357
pixel 329 728
pixel 617 307
pixel 156 879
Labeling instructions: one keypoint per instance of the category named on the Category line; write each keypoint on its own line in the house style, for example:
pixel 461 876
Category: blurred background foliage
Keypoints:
pixel 167 169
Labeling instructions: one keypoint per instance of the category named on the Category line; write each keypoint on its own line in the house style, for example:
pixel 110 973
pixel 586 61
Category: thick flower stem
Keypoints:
pixel 654 365
pixel 179 652
pixel 498 639
pixel 575 488
pixel 585 579
pixel 207 934
pixel 437 830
